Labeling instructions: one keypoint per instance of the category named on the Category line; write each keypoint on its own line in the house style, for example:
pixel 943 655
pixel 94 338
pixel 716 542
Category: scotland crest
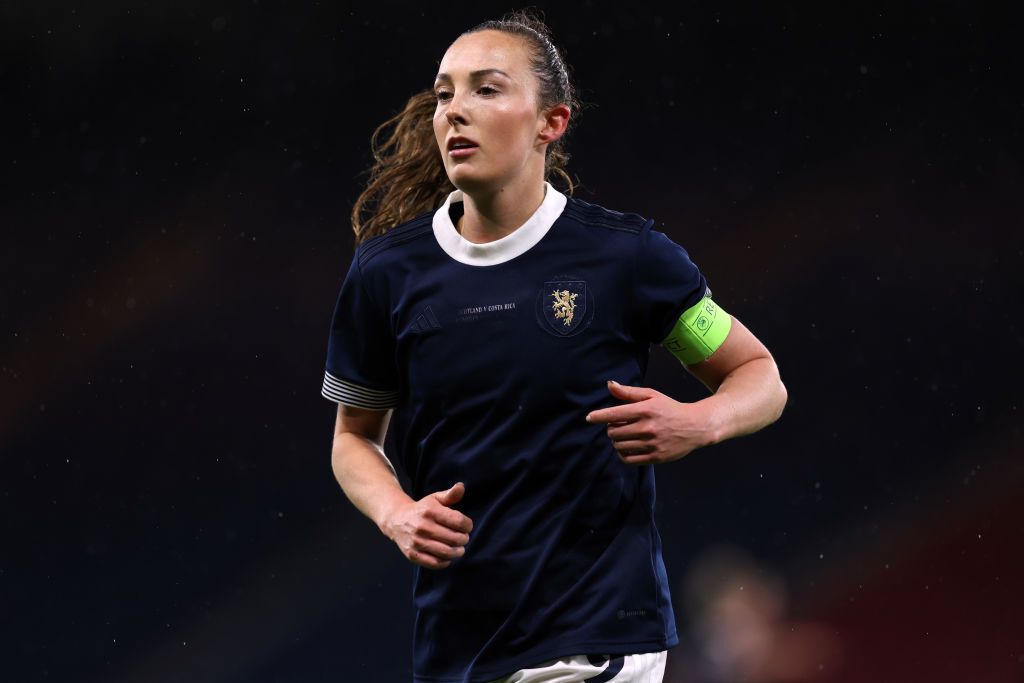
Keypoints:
pixel 563 305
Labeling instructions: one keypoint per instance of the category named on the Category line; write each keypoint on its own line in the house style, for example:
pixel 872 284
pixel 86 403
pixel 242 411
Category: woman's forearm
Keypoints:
pixel 366 477
pixel 750 398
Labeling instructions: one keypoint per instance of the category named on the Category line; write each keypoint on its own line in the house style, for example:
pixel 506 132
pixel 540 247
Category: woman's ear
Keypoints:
pixel 554 122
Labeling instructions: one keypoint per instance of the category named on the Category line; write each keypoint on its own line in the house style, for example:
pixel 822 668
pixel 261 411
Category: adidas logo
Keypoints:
pixel 425 321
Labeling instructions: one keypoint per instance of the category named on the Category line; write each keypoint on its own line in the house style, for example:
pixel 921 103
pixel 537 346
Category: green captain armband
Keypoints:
pixel 700 330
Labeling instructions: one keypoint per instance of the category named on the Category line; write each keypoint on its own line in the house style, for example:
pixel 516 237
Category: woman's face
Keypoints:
pixel 487 99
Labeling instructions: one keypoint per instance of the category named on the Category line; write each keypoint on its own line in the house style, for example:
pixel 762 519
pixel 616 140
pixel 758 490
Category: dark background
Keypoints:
pixel 177 179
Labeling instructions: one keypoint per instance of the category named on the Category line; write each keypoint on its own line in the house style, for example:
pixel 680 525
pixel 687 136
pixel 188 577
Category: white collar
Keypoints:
pixel 508 247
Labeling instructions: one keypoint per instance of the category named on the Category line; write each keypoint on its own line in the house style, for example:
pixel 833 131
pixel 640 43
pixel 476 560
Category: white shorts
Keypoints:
pixel 646 667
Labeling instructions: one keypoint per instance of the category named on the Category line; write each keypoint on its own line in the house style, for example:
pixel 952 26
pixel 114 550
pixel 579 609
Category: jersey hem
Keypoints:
pixel 537 656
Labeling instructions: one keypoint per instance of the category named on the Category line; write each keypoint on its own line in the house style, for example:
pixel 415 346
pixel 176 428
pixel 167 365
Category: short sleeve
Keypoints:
pixel 360 368
pixel 666 283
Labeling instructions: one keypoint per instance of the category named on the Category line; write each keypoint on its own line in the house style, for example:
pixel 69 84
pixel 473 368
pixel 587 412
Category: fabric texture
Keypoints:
pixel 648 667
pixel 491 363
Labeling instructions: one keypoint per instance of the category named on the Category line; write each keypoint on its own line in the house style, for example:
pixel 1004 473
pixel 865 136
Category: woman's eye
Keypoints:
pixel 445 95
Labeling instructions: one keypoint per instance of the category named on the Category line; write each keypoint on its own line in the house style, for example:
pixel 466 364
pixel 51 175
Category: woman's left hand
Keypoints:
pixel 653 428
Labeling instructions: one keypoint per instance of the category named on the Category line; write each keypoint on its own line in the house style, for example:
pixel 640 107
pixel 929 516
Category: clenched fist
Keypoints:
pixel 428 531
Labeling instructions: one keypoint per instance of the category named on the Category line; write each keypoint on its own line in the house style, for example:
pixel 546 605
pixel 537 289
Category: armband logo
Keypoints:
pixel 564 306
pixel 703 322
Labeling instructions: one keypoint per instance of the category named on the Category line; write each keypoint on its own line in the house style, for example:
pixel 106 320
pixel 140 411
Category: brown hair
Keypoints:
pixel 408 177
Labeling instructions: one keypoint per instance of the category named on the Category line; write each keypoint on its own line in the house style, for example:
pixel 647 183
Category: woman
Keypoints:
pixel 487 329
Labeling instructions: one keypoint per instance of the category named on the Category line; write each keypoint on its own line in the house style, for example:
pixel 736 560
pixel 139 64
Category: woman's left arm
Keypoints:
pixel 747 392
pixel 747 395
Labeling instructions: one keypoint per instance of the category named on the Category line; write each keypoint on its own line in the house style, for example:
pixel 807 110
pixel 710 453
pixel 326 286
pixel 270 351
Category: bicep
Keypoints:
pixel 739 347
pixel 372 424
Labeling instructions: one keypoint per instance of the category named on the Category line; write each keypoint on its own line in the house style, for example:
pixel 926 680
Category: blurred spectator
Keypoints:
pixel 740 632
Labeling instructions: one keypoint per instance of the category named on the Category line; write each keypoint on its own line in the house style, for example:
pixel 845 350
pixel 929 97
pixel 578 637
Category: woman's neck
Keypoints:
pixel 489 217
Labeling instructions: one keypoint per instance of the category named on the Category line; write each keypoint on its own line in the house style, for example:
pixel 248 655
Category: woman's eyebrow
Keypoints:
pixel 475 75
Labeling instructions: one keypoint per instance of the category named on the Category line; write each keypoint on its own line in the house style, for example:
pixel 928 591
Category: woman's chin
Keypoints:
pixel 468 182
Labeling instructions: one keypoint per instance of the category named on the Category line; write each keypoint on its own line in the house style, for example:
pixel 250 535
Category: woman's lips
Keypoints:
pixel 459 152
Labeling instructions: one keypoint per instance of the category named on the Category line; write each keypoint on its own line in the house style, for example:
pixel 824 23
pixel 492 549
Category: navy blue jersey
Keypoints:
pixel 492 355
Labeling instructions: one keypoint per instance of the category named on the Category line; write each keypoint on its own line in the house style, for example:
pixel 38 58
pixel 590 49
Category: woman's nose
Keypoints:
pixel 454 111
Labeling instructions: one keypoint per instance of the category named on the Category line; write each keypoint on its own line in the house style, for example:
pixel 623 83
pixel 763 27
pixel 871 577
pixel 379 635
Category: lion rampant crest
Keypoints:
pixel 564 305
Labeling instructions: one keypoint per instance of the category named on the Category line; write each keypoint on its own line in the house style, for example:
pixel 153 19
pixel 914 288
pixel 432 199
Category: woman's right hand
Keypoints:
pixel 428 531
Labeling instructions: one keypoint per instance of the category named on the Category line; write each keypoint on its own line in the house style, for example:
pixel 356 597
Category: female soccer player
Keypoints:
pixel 506 333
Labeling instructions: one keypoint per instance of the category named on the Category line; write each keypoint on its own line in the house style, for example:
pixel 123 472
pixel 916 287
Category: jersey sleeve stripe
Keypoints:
pixel 340 391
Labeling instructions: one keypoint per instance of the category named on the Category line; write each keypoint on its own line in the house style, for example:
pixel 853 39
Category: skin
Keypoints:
pixel 748 395
pixel 428 531
pixel 503 184
pixel 499 109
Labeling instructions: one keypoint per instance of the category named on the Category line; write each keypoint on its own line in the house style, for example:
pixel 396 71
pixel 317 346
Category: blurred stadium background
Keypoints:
pixel 176 184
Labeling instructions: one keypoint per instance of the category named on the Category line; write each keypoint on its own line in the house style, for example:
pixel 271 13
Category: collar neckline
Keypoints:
pixel 517 242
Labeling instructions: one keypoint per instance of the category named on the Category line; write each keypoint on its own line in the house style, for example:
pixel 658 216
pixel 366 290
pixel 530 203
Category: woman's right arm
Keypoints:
pixel 360 466
pixel 428 531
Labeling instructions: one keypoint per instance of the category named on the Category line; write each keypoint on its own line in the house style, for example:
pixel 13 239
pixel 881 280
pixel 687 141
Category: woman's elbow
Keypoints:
pixel 781 396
